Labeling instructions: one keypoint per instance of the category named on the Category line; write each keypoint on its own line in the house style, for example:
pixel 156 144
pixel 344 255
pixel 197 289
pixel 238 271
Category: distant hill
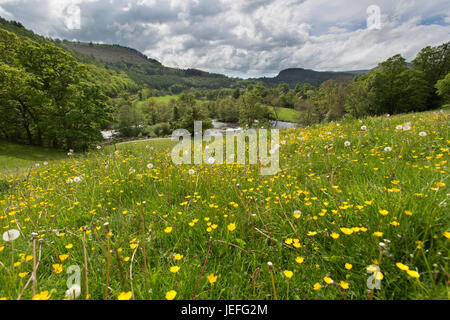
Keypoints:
pixel 110 53
pixel 147 72
pixel 293 76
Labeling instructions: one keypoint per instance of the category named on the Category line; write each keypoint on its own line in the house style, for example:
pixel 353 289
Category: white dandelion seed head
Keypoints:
pixel 211 160
pixel 99 147
pixel 45 163
pixel 11 235
pixel 347 143
pixel 77 179
pixel 150 166
pixel 388 149
pixel 422 134
pixel 69 181
pixel 132 170
pixel 191 171
pixel 399 127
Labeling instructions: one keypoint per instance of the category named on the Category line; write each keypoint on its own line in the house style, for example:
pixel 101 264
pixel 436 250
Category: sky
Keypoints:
pixel 246 38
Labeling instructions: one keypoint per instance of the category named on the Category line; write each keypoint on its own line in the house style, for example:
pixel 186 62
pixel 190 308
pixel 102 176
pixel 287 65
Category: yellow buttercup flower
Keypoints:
pixel 413 274
pixel 170 295
pixel 288 274
pixel 44 295
pixel 174 269
pixel 63 257
pixel 317 286
pixel 378 234
pixel 334 235
pixel 344 285
pixel 168 230
pixel 401 266
pixel 299 260
pixel 125 296
pixel 57 268
pixel 231 227
pixel 347 231
pixel 383 212
pixel 212 278
pixel 178 256
pixel 348 266
pixel 328 280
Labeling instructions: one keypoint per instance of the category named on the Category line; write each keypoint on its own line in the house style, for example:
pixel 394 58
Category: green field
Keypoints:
pixel 286 114
pixel 15 156
pixel 353 201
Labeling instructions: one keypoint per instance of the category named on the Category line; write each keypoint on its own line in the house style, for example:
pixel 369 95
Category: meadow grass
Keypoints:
pixel 354 200
pixel 286 114
pixel 16 156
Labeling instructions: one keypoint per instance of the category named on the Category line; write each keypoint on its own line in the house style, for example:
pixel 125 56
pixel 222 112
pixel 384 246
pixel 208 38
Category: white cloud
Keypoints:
pixel 248 37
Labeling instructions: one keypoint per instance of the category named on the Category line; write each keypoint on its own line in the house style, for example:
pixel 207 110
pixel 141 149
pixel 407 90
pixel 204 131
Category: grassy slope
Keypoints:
pixel 287 114
pixel 15 156
pixel 339 190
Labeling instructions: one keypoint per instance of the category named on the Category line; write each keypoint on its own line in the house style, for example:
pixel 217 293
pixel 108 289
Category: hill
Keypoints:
pixel 293 76
pixel 151 73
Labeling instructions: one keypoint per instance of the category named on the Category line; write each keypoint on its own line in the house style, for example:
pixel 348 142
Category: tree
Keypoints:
pixel 8 46
pixel 48 94
pixel 434 62
pixel 395 88
pixel 443 88
pixel 22 105
pixel 283 88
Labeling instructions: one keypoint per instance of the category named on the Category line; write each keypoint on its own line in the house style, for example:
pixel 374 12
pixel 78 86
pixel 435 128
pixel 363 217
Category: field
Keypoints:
pixel 287 114
pixel 357 204
pixel 16 156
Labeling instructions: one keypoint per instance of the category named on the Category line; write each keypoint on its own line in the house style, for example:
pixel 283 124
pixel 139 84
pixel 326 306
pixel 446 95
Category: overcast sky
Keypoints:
pixel 245 37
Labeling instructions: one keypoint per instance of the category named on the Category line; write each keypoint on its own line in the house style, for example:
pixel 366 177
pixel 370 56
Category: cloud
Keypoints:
pixel 246 37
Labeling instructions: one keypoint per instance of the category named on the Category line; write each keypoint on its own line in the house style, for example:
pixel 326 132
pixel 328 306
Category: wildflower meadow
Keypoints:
pixel 357 210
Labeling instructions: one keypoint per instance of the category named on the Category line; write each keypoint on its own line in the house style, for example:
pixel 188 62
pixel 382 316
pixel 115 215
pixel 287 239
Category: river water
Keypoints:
pixel 221 127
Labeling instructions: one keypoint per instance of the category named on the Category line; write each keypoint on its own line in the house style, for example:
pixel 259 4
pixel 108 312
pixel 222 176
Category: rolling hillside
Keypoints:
pixel 151 73
pixel 298 75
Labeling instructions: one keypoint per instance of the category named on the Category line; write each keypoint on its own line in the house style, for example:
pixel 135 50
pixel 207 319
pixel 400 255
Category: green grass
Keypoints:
pixel 347 196
pixel 16 156
pixel 165 99
pixel 286 114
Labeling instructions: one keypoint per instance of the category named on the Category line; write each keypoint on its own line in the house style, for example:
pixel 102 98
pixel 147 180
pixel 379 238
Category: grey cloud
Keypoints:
pixel 247 37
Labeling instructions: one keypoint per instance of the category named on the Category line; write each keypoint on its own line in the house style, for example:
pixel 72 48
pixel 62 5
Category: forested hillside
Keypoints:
pixel 61 94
